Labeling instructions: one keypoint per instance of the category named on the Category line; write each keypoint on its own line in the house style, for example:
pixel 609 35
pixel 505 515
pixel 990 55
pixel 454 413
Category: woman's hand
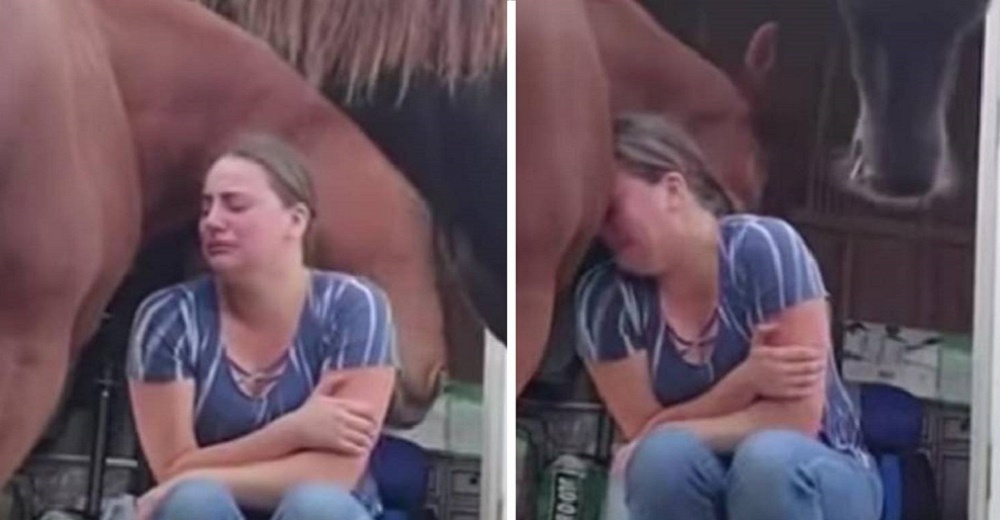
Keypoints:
pixel 341 425
pixel 783 371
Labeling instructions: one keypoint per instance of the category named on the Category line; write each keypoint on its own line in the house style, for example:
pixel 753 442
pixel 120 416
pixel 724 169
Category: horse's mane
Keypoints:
pixel 355 42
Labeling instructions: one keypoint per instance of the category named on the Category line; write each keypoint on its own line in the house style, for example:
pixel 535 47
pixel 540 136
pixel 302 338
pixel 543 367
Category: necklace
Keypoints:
pixel 700 345
pixel 257 383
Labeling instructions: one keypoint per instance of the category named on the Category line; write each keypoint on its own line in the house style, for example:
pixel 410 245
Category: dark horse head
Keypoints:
pixel 904 60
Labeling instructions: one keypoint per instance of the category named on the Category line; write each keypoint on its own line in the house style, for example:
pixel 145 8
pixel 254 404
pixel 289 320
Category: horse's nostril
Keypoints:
pixel 857 173
pixel 896 186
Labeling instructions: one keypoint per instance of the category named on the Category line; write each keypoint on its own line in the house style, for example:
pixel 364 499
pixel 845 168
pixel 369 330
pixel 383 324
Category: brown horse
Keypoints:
pixel 578 62
pixel 112 112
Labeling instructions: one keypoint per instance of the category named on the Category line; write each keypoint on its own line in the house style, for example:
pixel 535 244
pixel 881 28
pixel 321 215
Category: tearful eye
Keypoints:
pixel 238 203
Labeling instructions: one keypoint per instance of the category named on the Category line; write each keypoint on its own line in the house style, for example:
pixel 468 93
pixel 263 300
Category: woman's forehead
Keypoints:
pixel 236 174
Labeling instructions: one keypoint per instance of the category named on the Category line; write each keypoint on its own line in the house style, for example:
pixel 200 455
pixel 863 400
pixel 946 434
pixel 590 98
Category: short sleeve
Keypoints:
pixel 609 316
pixel 364 334
pixel 160 340
pixel 781 270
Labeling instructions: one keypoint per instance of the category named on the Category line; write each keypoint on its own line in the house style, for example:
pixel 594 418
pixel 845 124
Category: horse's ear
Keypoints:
pixel 761 56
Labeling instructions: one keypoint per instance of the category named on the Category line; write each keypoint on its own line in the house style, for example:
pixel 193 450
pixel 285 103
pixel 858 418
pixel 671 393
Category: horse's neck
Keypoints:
pixel 191 82
pixel 650 69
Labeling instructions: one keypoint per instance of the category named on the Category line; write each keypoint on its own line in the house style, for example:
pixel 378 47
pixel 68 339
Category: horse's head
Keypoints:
pixel 903 59
pixel 727 125
pixel 650 69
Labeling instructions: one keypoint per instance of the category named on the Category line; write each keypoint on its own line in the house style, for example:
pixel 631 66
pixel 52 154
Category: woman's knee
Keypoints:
pixel 770 456
pixel 786 474
pixel 668 457
pixel 197 498
pixel 320 502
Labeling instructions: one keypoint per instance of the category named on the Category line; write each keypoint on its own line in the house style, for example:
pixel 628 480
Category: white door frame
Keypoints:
pixel 986 336
pixel 493 465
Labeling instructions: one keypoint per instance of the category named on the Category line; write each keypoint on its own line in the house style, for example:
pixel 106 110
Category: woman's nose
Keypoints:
pixel 212 218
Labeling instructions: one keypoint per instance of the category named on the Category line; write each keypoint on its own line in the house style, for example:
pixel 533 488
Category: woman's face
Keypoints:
pixel 642 224
pixel 244 223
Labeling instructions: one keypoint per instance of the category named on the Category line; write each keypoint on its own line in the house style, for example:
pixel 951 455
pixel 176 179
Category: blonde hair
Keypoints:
pixel 286 171
pixel 652 145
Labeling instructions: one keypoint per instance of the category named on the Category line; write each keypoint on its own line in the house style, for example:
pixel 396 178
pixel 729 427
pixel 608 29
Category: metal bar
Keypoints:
pixel 98 452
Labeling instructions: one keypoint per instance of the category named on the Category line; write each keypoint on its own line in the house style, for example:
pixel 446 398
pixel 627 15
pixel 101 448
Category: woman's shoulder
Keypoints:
pixel 166 314
pixel 612 311
pixel 754 235
pixel 329 278
pixel 338 287
pixel 604 283
pixel 601 276
pixel 173 298
pixel 165 332
pixel 769 253
pixel 748 223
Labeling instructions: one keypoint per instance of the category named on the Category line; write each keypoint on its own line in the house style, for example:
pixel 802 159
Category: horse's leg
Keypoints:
pixel 34 356
pixel 50 261
pixel 564 162
pixel 68 207
pixel 57 275
pixel 535 307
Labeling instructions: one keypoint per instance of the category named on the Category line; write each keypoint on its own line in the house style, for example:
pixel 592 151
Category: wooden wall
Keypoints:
pixel 891 272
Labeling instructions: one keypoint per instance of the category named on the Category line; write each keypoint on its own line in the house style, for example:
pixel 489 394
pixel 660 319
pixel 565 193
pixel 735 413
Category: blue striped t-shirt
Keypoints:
pixel 764 267
pixel 345 323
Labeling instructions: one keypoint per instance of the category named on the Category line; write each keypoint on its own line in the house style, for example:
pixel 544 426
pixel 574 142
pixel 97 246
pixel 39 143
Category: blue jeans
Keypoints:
pixel 772 475
pixel 210 500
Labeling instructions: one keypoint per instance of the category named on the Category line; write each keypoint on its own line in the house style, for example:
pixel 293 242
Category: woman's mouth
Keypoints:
pixel 217 248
